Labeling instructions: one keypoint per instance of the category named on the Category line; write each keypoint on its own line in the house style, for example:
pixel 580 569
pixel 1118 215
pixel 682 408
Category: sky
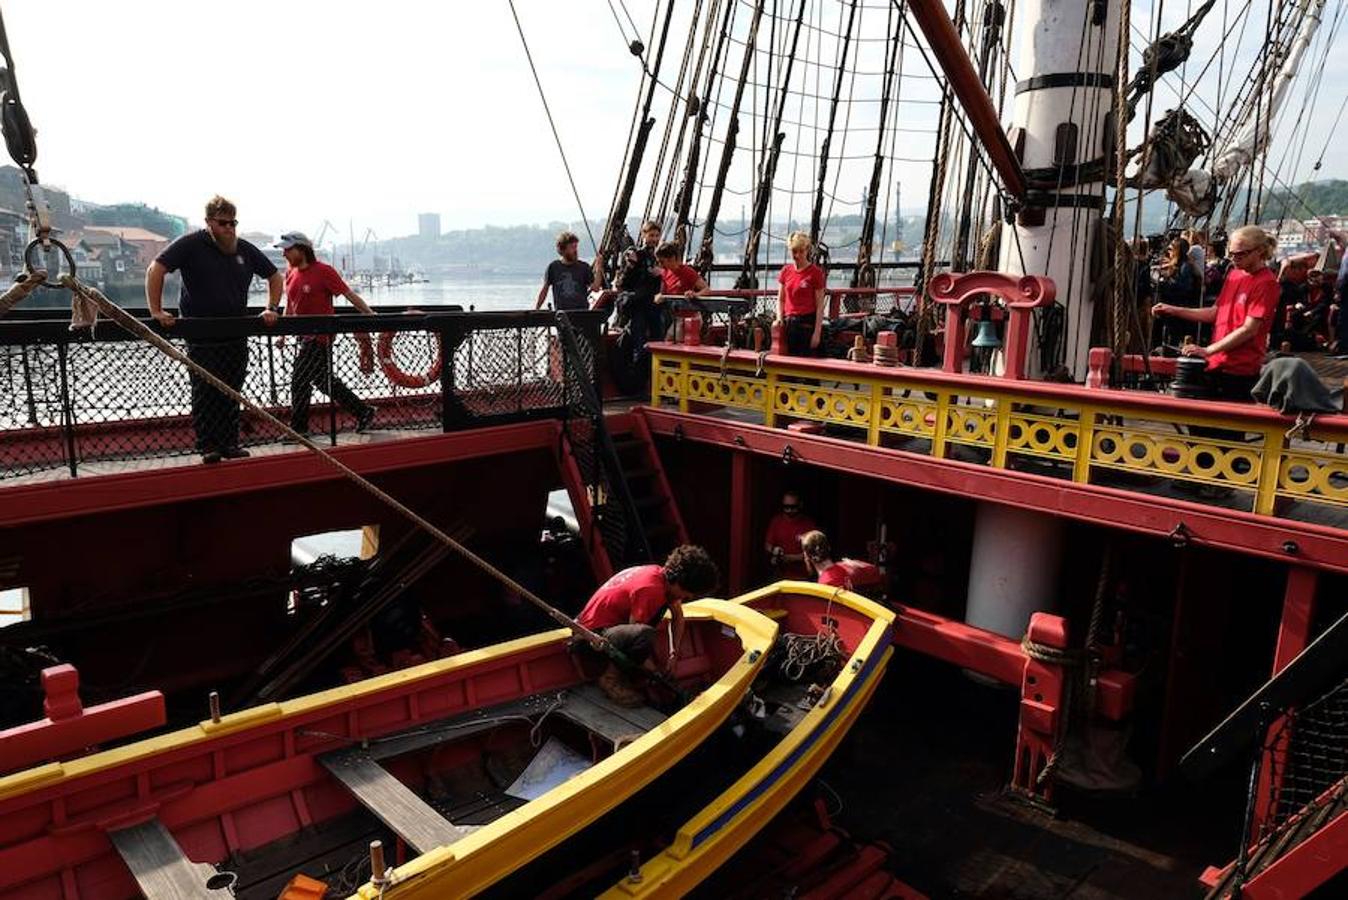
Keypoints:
pixel 364 114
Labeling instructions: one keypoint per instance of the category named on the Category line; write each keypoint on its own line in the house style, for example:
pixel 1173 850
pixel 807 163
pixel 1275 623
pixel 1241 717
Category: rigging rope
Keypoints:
pixel 553 125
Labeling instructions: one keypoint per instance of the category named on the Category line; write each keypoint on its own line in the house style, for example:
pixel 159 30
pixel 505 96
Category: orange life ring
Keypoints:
pixel 396 375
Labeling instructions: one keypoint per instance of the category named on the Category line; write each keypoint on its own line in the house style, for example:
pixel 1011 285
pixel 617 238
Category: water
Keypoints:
pixel 483 294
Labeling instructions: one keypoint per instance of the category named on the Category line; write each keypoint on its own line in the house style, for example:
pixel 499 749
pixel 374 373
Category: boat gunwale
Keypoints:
pixel 797 755
pixel 473 860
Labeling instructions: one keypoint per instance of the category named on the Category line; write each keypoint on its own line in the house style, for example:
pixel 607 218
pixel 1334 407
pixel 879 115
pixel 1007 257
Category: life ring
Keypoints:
pixel 396 375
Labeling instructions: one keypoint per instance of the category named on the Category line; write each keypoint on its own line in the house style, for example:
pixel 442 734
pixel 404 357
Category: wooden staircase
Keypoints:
pixel 656 514
pixel 651 492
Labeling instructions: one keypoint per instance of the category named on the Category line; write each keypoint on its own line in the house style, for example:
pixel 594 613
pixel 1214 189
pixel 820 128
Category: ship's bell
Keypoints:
pixel 986 335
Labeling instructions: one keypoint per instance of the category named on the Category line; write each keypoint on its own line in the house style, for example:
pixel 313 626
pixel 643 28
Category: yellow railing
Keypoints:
pixel 1121 438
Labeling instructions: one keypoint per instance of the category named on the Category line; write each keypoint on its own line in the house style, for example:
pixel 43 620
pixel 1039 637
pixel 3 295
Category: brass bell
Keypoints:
pixel 986 335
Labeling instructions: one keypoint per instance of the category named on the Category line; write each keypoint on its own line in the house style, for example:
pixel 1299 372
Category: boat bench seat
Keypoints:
pixel 587 706
pixel 392 802
pixel 161 869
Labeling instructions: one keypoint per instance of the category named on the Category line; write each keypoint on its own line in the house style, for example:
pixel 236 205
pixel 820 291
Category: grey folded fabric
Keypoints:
pixel 1290 385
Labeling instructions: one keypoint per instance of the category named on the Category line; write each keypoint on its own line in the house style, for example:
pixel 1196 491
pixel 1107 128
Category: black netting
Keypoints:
pixel 1309 755
pixel 71 402
pixel 612 510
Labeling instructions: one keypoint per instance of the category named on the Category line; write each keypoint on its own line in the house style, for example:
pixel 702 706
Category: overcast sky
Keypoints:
pixel 351 110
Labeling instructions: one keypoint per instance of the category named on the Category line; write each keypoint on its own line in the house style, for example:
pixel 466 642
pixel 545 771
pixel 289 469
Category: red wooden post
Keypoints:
pixel 1101 358
pixel 1020 294
pixel 741 542
pixel 1042 690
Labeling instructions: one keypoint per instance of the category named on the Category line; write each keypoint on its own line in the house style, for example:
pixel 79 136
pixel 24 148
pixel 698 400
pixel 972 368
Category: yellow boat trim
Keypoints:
pixel 495 850
pixel 686 862
pixel 46 776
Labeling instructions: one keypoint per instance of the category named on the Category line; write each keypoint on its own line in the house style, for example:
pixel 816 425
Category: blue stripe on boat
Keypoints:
pixel 785 765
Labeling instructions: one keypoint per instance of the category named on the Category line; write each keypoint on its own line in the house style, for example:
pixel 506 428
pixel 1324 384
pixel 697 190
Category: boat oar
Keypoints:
pixel 94 297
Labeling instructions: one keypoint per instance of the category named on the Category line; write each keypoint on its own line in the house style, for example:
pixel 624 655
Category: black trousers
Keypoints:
pixel 311 371
pixel 799 331
pixel 635 640
pixel 215 417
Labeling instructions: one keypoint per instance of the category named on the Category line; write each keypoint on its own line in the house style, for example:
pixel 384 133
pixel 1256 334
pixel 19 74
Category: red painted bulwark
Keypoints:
pixel 105 493
pixel 69 728
pixel 1318 546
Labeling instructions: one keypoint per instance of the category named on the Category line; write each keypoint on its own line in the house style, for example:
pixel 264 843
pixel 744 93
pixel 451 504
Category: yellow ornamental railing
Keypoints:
pixel 1239 456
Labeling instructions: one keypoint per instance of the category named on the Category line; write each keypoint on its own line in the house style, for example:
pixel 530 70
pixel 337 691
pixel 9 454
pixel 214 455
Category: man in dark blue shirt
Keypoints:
pixel 569 277
pixel 217 269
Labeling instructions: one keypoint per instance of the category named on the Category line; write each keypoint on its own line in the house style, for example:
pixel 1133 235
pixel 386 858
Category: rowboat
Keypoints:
pixel 709 838
pixel 830 656
pixel 466 768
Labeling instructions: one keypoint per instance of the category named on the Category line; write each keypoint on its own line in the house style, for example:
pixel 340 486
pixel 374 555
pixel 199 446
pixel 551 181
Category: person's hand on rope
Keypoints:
pixel 1160 309
pixel 1195 350
pixel 164 317
pixel 268 316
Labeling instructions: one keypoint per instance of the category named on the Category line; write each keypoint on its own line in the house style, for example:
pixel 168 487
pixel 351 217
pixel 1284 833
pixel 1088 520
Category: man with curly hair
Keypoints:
pixel 627 608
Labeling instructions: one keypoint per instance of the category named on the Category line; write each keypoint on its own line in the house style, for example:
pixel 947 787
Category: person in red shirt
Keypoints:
pixel 800 298
pixel 1241 318
pixel 819 560
pixel 310 287
pixel 678 279
pixel 627 608
pixel 676 276
pixel 783 539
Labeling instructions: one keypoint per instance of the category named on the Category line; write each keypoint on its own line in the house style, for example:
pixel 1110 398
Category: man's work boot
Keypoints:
pixel 616 688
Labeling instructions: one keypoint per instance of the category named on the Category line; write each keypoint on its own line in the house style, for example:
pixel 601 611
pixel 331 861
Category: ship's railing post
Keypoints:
pixel 67 408
pixel 1270 470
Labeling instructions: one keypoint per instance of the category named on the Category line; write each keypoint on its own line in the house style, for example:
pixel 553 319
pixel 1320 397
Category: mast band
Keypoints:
pixel 1065 79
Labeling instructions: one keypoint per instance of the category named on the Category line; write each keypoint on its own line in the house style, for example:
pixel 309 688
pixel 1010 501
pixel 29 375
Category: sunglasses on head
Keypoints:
pixel 226 223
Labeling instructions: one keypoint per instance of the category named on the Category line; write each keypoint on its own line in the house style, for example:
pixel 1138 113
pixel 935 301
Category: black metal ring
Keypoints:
pixel 51 242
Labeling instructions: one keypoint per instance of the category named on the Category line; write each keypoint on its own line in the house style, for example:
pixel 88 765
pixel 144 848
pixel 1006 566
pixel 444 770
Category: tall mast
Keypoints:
pixel 1067 55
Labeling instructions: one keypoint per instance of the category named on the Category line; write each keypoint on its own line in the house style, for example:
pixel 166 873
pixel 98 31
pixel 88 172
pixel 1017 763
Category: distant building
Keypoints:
pixel 148 244
pixel 428 225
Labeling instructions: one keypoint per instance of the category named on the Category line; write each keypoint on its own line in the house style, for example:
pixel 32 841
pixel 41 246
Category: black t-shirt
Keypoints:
pixel 638 278
pixel 570 283
pixel 214 284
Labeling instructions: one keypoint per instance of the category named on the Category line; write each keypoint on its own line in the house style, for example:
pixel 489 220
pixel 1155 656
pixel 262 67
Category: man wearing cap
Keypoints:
pixel 217 269
pixel 310 287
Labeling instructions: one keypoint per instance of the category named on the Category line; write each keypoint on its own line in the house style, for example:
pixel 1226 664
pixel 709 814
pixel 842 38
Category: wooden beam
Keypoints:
pixel 394 803
pixel 161 869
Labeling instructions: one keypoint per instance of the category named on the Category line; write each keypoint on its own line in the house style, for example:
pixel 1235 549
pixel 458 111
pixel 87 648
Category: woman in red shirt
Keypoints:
pixel 1241 318
pixel 676 277
pixel 800 298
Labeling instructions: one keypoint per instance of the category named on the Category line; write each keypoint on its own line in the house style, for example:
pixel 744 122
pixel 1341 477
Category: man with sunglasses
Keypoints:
pixel 1241 318
pixel 782 543
pixel 217 268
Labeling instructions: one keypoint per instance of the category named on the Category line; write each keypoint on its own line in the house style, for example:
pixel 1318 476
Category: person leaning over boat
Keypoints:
pixel 627 608
pixel 1241 317
pixel 569 277
pixel 217 268
pixel 311 286
pixel 819 560
pixel 800 299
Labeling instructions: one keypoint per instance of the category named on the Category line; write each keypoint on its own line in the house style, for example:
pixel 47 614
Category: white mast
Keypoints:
pixel 1068 52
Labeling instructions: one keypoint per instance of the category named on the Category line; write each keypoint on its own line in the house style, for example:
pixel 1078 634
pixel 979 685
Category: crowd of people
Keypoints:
pixel 1190 270
pixel 1222 298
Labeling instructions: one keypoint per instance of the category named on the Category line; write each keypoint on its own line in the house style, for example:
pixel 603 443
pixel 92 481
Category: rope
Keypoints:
pixel 553 125
pixel 92 298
